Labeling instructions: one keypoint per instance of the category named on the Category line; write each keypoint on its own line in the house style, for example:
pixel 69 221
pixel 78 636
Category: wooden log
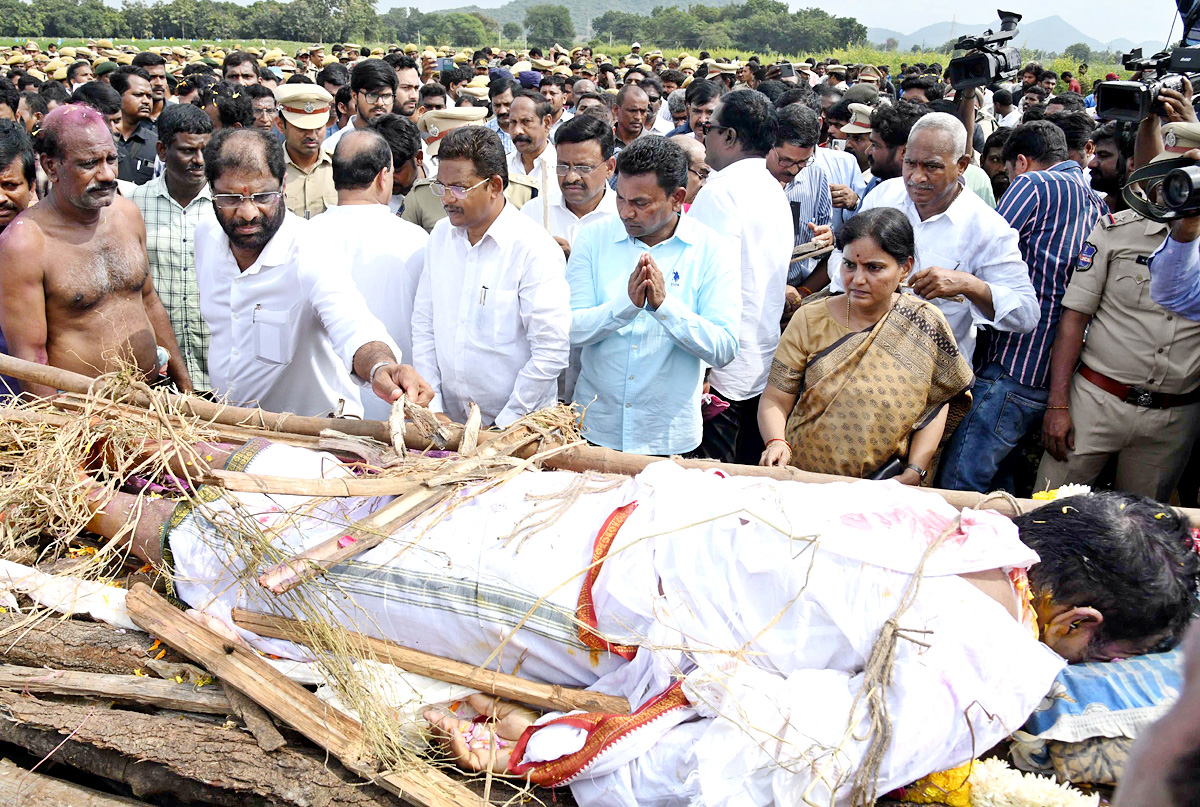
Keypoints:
pixel 22 788
pixel 334 731
pixel 503 685
pixel 238 666
pixel 179 758
pixel 256 720
pixel 120 688
pixel 73 644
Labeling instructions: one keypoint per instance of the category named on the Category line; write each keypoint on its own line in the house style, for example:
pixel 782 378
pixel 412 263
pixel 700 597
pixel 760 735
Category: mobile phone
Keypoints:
pixel 787 70
pixel 445 63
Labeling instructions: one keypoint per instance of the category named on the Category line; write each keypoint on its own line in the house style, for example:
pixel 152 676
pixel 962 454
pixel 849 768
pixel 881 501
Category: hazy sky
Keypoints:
pixel 1103 19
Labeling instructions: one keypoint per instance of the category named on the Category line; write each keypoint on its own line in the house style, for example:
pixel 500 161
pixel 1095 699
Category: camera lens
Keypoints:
pixel 1179 187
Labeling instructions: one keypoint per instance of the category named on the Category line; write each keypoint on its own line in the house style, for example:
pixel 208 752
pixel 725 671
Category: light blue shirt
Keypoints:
pixel 642 370
pixel 1175 277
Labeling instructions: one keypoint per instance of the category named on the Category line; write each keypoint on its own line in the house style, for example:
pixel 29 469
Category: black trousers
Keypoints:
pixel 733 436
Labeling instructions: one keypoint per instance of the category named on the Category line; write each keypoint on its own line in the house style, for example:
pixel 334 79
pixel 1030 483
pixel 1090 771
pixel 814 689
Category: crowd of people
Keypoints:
pixel 817 264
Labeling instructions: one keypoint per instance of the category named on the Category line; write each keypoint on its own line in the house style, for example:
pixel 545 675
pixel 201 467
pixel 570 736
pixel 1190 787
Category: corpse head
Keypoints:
pixel 1117 575
pixel 79 156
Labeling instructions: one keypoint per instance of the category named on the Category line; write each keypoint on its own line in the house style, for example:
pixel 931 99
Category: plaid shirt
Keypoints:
pixel 170 246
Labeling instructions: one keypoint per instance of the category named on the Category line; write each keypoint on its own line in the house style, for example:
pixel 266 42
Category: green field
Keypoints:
pixel 855 55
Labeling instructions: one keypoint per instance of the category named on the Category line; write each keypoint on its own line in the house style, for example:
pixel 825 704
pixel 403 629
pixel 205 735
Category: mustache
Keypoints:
pixel 102 186
pixel 522 139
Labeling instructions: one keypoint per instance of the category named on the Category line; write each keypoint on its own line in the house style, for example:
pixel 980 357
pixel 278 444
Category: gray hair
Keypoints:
pixel 676 101
pixel 946 124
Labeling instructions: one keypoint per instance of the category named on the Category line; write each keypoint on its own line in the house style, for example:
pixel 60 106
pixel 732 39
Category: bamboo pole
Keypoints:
pixel 503 685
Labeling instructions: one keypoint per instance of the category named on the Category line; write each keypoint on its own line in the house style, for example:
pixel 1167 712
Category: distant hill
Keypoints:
pixel 582 11
pixel 1051 34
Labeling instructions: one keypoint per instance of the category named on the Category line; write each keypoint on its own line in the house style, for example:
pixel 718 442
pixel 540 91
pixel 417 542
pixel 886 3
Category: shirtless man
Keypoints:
pixel 75 288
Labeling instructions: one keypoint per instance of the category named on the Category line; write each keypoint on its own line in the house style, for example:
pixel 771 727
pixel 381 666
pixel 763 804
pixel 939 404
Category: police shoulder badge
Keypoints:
pixel 1086 255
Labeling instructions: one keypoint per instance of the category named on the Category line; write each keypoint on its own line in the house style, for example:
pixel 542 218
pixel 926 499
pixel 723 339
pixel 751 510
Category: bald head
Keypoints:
pixel 60 128
pixel 250 151
pixel 362 167
pixel 583 85
pixel 698 169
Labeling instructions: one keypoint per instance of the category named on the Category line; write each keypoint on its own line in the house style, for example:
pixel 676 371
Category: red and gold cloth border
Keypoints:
pixel 603 730
pixel 586 613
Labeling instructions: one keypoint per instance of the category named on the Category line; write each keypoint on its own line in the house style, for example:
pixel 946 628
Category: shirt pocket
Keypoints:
pixel 497 319
pixel 1131 285
pixel 274 334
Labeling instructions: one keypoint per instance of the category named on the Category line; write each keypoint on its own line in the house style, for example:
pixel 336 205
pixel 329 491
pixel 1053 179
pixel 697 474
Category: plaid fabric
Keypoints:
pixel 170 245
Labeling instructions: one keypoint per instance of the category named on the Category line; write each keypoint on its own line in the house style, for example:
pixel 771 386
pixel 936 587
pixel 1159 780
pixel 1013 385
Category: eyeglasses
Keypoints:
pixel 379 98
pixel 231 201
pixel 266 112
pixel 787 164
pixel 455 191
pixel 654 99
pixel 708 126
pixel 700 175
pixel 583 170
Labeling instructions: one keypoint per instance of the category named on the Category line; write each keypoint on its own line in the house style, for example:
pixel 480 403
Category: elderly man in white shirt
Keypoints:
pixel 743 202
pixel 584 146
pixel 529 118
pixel 382 252
pixel 285 333
pixel 968 257
pixel 492 319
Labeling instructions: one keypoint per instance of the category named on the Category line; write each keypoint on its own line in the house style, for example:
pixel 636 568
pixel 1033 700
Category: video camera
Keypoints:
pixel 992 61
pixel 1134 100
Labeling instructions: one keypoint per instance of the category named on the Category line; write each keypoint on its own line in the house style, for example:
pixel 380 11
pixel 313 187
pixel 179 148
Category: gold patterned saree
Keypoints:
pixel 862 395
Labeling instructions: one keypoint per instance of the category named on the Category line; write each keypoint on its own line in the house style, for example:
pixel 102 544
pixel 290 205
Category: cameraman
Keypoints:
pixel 1175 266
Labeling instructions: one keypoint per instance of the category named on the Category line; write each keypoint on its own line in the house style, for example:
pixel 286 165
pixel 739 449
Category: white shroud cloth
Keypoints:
pixel 765 597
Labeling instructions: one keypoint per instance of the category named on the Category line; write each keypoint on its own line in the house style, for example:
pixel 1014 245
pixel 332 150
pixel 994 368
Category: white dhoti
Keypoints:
pixel 763 598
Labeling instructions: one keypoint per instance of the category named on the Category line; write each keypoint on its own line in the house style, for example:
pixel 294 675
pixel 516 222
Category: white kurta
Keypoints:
pixel 492 320
pixel 771 649
pixel 383 254
pixel 283 332
pixel 744 203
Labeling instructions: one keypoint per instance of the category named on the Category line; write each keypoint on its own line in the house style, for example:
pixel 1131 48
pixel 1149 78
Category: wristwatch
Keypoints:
pixel 921 472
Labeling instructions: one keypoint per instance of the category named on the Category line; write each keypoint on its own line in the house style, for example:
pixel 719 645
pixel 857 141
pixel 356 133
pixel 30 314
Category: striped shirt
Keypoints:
pixel 505 140
pixel 810 201
pixel 1053 211
pixel 170 246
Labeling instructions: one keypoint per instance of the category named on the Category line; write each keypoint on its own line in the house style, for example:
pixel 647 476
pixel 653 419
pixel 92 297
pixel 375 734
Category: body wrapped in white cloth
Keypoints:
pixel 739 614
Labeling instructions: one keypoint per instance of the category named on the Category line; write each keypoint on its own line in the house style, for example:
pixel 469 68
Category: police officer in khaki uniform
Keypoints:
pixel 420 205
pixel 1133 389
pixel 303 115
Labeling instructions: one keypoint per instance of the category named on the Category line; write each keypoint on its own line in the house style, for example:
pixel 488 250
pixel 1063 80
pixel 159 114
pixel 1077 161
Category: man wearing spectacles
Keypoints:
pixel 698 170
pixel 742 201
pixel 286 333
pixel 492 314
pixel 374 83
pixel 303 113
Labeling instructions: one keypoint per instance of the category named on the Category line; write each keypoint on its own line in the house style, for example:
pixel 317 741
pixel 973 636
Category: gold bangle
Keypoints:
pixel 1064 408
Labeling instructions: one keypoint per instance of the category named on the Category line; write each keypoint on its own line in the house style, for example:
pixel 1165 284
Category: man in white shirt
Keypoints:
pixel 285 332
pixel 742 201
pixel 968 257
pixel 584 150
pixel 529 127
pixel 382 252
pixel 586 163
pixel 493 312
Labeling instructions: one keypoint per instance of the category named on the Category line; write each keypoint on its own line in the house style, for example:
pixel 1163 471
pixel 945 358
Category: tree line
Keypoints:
pixel 756 25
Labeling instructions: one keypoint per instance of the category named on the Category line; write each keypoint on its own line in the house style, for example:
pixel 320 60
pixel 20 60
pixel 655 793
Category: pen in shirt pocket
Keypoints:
pixel 483 295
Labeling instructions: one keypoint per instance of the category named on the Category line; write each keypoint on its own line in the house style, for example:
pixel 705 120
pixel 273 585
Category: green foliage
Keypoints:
pixel 549 24
pixel 513 31
pixel 1080 52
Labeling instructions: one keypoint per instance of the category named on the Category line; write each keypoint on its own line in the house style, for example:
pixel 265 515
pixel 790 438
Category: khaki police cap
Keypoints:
pixel 434 124
pixel 1178 138
pixel 860 119
pixel 304 105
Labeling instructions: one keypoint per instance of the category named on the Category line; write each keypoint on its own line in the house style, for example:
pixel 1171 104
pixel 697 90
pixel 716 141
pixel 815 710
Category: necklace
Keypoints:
pixel 847 310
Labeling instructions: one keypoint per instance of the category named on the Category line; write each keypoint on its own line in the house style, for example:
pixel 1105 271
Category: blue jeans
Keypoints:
pixel 1002 412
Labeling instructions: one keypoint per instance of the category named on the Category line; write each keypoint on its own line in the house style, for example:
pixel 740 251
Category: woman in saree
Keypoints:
pixel 868 382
